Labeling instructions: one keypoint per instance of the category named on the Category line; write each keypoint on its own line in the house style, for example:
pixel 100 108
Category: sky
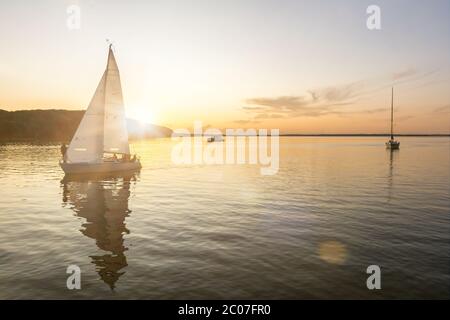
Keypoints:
pixel 298 66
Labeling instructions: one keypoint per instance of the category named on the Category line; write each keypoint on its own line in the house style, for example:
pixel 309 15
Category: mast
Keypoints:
pixel 104 100
pixel 392 114
pixel 115 139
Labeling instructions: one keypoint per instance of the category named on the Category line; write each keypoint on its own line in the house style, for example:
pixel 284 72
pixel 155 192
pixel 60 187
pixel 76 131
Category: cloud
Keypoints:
pixel 404 118
pixel 279 107
pixel 341 93
pixel 279 103
pixel 313 94
pixel 404 74
pixel 331 100
pixel 443 109
pixel 252 108
pixel 244 122
pixel 268 116
pixel 321 102
pixel 371 111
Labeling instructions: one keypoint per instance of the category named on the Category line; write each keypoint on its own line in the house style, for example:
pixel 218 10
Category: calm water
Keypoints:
pixel 336 206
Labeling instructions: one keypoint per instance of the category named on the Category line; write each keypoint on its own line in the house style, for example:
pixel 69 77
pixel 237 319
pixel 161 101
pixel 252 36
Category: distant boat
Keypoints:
pixel 217 138
pixel 100 144
pixel 392 143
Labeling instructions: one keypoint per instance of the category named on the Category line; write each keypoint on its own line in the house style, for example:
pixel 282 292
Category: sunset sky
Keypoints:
pixel 300 66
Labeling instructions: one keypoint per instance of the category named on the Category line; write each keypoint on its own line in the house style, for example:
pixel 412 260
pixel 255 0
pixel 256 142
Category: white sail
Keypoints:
pixel 87 143
pixel 103 127
pixel 115 126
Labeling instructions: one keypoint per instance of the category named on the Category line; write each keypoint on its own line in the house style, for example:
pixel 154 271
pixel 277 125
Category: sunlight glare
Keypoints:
pixel 142 114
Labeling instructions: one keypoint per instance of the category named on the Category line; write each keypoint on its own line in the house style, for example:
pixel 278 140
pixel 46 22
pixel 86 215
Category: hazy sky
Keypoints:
pixel 301 66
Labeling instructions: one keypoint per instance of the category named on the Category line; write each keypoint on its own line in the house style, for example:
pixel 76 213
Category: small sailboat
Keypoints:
pixel 100 144
pixel 392 143
pixel 216 138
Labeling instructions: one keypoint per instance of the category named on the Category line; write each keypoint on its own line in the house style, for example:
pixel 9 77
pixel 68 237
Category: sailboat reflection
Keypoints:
pixel 103 202
pixel 392 155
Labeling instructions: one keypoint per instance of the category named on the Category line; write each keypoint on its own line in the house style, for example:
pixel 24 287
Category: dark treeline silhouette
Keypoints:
pixel 41 125
pixel 59 125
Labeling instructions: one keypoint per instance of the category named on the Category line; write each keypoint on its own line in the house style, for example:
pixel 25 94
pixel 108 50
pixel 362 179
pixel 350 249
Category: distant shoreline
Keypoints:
pixel 56 126
pixel 344 135
pixel 56 142
pixel 51 126
pixel 366 135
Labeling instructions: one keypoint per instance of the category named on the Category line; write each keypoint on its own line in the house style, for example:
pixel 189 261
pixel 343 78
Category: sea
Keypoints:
pixel 341 218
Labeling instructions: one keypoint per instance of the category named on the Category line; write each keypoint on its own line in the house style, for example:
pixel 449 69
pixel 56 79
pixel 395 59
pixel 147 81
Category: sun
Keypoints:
pixel 141 114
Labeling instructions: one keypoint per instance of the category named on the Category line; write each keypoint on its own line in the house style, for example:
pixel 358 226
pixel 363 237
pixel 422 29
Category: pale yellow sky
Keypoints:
pixel 300 66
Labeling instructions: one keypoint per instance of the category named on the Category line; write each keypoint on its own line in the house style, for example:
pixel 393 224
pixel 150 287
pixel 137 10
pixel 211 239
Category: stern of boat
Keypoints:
pixel 393 145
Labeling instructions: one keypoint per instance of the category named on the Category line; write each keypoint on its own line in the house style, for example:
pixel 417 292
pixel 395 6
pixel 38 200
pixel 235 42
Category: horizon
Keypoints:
pixel 281 134
pixel 301 67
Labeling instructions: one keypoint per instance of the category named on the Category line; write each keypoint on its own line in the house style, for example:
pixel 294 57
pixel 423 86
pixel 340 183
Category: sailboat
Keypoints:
pixel 216 138
pixel 100 144
pixel 392 143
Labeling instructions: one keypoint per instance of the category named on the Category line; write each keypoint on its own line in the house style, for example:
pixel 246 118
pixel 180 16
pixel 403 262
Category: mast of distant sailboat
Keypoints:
pixel 392 144
pixel 392 114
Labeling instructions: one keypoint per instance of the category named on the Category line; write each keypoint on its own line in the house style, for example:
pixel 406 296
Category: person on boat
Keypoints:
pixel 126 158
pixel 115 157
pixel 134 158
pixel 63 151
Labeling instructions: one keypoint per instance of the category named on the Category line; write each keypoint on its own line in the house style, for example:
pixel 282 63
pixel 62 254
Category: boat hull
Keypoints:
pixel 103 167
pixel 393 145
